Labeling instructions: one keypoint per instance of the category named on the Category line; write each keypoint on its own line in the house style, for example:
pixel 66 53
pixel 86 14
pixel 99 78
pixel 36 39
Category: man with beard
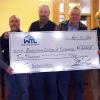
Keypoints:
pixel 40 81
pixel 17 83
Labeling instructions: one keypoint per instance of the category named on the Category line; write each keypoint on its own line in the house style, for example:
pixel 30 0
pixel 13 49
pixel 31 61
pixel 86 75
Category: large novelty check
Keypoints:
pixel 34 52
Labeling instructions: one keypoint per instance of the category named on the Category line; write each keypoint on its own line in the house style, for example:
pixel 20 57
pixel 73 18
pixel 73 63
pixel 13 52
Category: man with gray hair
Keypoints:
pixel 65 77
pixel 44 80
pixel 17 84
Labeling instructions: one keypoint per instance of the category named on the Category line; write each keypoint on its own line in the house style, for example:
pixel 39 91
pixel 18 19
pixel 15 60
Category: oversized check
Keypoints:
pixel 34 52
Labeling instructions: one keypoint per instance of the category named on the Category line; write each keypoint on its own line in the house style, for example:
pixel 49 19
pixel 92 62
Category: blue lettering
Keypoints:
pixel 29 41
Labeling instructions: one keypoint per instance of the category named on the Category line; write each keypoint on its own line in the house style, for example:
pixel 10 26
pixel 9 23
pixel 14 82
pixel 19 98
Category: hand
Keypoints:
pixel 98 52
pixel 9 70
pixel 57 28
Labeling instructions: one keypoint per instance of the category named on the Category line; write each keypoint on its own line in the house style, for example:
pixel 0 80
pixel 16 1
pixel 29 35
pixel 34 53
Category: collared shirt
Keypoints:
pixel 71 28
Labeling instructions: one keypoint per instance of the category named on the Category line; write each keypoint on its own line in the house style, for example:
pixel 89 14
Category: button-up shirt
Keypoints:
pixel 71 28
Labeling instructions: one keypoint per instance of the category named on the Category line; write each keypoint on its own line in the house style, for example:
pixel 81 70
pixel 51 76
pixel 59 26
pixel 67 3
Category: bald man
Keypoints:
pixel 41 81
pixel 17 83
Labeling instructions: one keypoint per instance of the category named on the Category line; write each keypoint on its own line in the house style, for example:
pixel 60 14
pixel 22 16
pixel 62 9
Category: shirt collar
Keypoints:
pixel 72 28
pixel 17 31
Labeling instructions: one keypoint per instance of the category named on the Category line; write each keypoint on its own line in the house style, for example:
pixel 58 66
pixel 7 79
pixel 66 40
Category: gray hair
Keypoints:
pixel 14 17
pixel 44 5
pixel 73 8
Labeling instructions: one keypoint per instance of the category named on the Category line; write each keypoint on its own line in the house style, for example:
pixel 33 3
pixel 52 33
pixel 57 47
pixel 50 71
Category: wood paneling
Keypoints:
pixel 94 9
pixel 56 11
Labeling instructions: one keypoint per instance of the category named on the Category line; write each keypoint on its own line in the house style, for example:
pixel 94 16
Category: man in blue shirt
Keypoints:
pixel 64 78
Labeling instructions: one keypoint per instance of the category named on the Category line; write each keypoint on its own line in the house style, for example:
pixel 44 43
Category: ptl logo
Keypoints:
pixel 29 40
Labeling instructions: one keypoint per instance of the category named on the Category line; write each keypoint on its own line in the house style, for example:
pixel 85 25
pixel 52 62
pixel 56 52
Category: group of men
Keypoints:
pixel 53 84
